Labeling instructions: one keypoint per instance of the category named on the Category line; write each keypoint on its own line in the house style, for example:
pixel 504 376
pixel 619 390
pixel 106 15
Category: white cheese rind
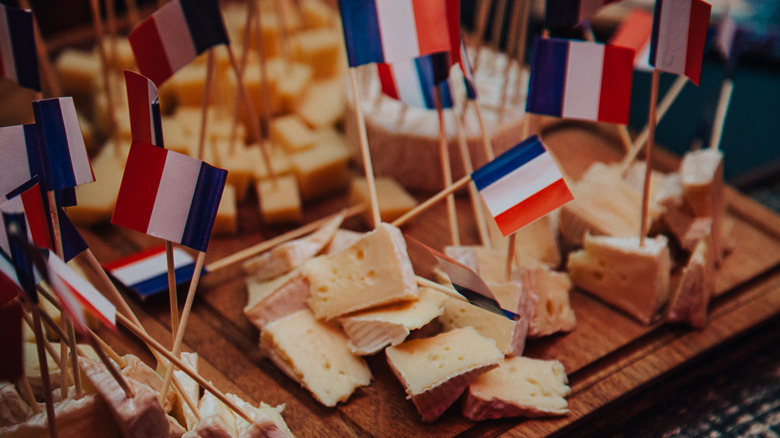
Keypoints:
pixel 288 297
pixel 547 294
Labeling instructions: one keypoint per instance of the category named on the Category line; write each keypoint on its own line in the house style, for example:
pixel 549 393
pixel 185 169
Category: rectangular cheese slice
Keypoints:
pixel 630 277
pixel 393 199
pixel 547 295
pixel 279 200
pixel 519 387
pixel 376 270
pixel 316 355
pixel 321 169
pixel 704 193
pixel 435 371
pixel 372 330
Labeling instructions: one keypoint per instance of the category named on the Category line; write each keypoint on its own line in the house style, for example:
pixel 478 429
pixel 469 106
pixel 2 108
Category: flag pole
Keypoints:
pixel 521 46
pixel 43 363
pixel 511 51
pixel 483 10
pixel 173 298
pixel 651 122
pixel 204 116
pixel 446 169
pixel 242 69
pixel 98 25
pixel 726 90
pixel 364 150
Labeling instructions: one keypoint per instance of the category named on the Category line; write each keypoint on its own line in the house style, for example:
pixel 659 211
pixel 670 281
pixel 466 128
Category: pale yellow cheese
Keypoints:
pixel 274 299
pixel 291 132
pixel 689 300
pixel 253 84
pixel 87 416
pixel 323 103
pixel 704 192
pixel 280 160
pixel 239 162
pixel 119 53
pixel 520 386
pixel 32 368
pixel 96 200
pixel 371 330
pixel 78 71
pixel 219 125
pixel 316 355
pixel 375 270
pixel 435 371
pixel 226 221
pixel 322 49
pixel 296 78
pixel 268 421
pixel 630 277
pixel 188 84
pixel 321 169
pixel 393 199
pixel 536 241
pixel 341 240
pixel 217 419
pixel 280 201
pixel 547 294
pixel 317 13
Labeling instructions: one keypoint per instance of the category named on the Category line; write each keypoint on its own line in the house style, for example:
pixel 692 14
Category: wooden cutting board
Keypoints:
pixel 608 356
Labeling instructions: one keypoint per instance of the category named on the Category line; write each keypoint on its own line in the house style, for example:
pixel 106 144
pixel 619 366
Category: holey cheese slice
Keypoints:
pixel 630 277
pixel 374 329
pixel 376 270
pixel 435 371
pixel 520 386
pixel 316 355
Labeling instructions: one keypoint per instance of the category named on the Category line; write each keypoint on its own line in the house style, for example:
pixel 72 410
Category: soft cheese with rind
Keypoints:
pixel 376 270
pixel 88 416
pixel 280 297
pixel 520 386
pixel 435 371
pixel 13 409
pixel 547 295
pixel 689 301
pixel 268 421
pixel 217 420
pixel 315 354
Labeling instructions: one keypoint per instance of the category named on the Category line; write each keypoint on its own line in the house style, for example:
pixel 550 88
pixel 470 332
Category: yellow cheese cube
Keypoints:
pixel 322 49
pixel 323 103
pixel 188 84
pixel 318 14
pixel 239 166
pixel 280 160
pixel 321 169
pixel 78 70
pixel 226 220
pixel 279 200
pixel 291 132
pixel 296 78
pixel 96 200
pixel 393 199
pixel 119 53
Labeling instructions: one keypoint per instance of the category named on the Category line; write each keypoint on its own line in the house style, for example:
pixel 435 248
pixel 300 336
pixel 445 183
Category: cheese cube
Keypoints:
pixel 435 371
pixel 119 53
pixel 371 330
pixel 488 263
pixel 316 355
pixel 537 241
pixel 318 14
pixel 547 295
pixel 520 386
pixel 630 277
pixel 393 199
pixel 322 103
pixel 188 84
pixel 322 49
pixel 296 79
pixel 280 160
pixel 268 420
pixel 341 240
pixel 321 170
pixel 274 299
pixel 689 301
pixel 226 221
pixel 77 71
pixel 279 200
pixel 291 132
pixel 704 191
pixel 375 270
pixel 96 200
pixel 239 165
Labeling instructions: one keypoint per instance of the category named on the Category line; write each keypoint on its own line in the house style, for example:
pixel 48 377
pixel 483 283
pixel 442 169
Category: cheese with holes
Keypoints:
pixel 279 200
pixel 435 371
pixel 275 299
pixel 372 330
pixel 315 354
pixel 626 275
pixel 321 169
pixel 519 387
pixel 547 294
pixel 392 198
pixel 288 255
pixel 376 270
pixel 689 301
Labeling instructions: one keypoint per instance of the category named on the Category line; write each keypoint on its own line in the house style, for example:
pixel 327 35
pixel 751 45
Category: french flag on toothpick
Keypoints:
pixel 391 30
pixel 635 32
pixel 169 195
pixel 413 81
pixel 146 272
pixel 679 36
pixel 521 185
pixel 19 156
pixel 581 80
pixel 63 152
pixel 144 108
pixel 176 34
pixel 18 58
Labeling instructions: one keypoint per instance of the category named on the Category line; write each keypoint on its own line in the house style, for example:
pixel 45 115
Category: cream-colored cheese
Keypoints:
pixel 392 198
pixel 279 200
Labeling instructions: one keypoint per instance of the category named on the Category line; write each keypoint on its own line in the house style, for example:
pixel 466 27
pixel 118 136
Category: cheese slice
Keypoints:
pixel 279 200
pixel 77 70
pixel 286 256
pixel 217 419
pixel 142 373
pixel 341 240
pixel 32 368
pixel 275 299
pixel 280 160
pixel 372 330
pixel 13 409
pixel 296 79
pixel 268 421
pixel 376 270
pixel 689 301
pixel 704 192
pixel 316 355
pixel 321 169
pixel 435 371
pixel 393 199
pixel 630 277
pixel 519 387
pixel 181 411
pixel 488 263
pixel 547 293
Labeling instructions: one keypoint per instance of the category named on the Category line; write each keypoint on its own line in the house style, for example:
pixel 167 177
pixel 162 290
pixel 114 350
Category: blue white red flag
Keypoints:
pixel 146 272
pixel 20 158
pixel 176 34
pixel 63 152
pixel 413 82
pixel 391 30
pixel 169 195
pixel 634 33
pixel 679 36
pixel 144 108
pixel 581 80
pixel 521 185
pixel 18 58
pixel 570 13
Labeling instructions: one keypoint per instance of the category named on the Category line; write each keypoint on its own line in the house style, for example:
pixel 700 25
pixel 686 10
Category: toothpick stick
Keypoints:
pixel 132 12
pixel 204 116
pixel 510 256
pixel 364 150
pixel 431 201
pixel 270 243
pixel 46 344
pixel 43 362
pixel 265 86
pixel 512 42
pixel 185 316
pixel 242 69
pixel 651 122
pixel 424 282
pixel 521 47
pixel 111 24
pixel 180 365
pixel 113 355
pixel 98 25
pixel 483 10
pixel 284 35
pixel 173 298
pixel 446 170
pixel 726 90
pixel 74 358
pixel 27 393
pixel 498 25
pixel 486 143
pixel 120 379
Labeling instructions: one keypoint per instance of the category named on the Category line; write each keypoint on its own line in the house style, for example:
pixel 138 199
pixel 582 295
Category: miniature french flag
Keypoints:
pixel 413 82
pixel 169 195
pixel 581 80
pixel 570 13
pixel 146 272
pixel 391 30
pixel 634 33
pixel 679 36
pixel 33 208
pixel 176 34
pixel 63 152
pixel 144 108
pixel 521 185
pixel 19 156
pixel 18 58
